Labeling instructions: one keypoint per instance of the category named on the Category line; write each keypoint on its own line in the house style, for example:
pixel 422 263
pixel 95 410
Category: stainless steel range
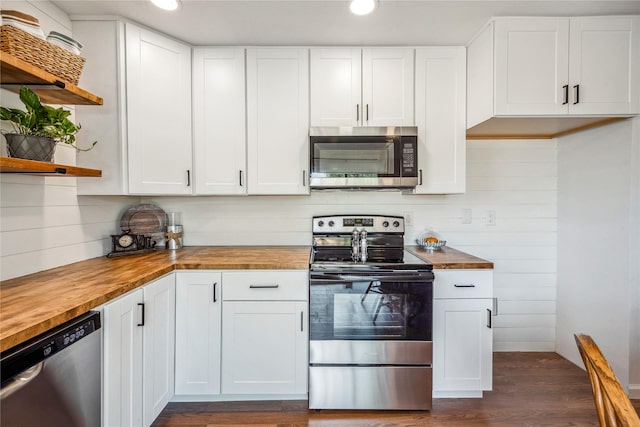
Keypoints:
pixel 370 316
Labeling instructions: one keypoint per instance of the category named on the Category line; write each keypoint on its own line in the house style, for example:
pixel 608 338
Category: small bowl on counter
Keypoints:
pixel 430 241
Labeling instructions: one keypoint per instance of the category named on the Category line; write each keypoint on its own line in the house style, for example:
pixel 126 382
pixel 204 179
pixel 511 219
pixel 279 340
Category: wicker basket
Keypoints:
pixel 42 54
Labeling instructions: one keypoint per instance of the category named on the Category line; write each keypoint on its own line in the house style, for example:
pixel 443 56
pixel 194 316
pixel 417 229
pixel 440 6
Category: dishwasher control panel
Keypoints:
pixel 34 351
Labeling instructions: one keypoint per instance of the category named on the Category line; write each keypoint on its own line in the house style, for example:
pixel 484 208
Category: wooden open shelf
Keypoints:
pixel 13 165
pixel 15 72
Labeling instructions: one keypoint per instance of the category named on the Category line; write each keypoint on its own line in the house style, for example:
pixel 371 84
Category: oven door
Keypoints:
pixel 377 318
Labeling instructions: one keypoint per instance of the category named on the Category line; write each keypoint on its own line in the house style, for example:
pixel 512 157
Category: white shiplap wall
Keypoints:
pixel 516 178
pixel 599 245
pixel 43 223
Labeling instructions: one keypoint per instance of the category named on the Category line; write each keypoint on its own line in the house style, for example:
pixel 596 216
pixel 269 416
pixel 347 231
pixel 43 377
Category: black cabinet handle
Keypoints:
pixel 577 88
pixel 240 178
pixel 464 286
pixel 357 112
pixel 302 321
pixel 304 178
pixel 215 284
pixel 489 318
pixel 566 94
pixel 140 304
pixel 367 113
pixel 419 176
pixel 188 178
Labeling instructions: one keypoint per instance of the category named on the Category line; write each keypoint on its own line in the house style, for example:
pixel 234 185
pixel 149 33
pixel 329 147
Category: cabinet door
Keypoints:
pixel 122 370
pixel 336 87
pixel 462 346
pixel 604 65
pixel 440 117
pixel 264 347
pixel 198 318
pixel 531 66
pixel 278 120
pixel 387 87
pixel 158 74
pixel 159 345
pixel 219 121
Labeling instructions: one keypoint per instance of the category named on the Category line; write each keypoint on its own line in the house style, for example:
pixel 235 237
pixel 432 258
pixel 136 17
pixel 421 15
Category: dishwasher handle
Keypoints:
pixel 20 380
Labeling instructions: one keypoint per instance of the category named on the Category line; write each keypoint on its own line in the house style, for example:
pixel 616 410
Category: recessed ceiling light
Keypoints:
pixel 167 4
pixel 362 7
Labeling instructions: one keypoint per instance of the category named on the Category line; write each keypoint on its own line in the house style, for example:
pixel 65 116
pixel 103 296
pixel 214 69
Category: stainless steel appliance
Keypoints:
pixel 370 316
pixel 54 379
pixel 363 157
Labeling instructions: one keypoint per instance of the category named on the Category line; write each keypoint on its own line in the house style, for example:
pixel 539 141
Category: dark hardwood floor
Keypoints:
pixel 529 389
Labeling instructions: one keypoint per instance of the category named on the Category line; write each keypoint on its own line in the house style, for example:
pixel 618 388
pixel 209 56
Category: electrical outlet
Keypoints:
pixel 408 219
pixel 491 217
pixel 466 216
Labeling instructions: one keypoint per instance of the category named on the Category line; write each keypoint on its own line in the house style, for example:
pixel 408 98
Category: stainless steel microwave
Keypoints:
pixel 363 157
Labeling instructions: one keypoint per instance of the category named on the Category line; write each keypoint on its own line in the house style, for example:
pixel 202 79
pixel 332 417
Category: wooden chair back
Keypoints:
pixel 612 403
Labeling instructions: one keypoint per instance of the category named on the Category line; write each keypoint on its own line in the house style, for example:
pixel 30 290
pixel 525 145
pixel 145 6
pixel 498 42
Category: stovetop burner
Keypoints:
pixel 408 262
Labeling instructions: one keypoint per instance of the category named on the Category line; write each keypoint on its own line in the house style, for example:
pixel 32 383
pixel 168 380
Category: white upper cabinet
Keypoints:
pixel 144 126
pixel 219 121
pixel 604 61
pixel 531 64
pixel 581 70
pixel 158 71
pixel 278 120
pixel 387 87
pixel 336 82
pixel 362 87
pixel 440 118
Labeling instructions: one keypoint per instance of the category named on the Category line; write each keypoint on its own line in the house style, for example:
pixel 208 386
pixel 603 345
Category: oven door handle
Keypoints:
pixel 327 280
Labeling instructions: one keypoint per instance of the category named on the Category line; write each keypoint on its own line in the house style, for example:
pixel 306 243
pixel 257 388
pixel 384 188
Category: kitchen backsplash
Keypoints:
pixel 516 179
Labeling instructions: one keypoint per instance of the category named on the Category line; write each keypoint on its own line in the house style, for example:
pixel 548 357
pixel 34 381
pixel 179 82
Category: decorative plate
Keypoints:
pixel 146 219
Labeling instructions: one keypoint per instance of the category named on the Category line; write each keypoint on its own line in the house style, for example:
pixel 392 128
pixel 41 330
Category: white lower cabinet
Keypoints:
pixel 264 347
pixel 463 310
pixel 122 374
pixel 139 354
pixel 265 332
pixel 158 334
pixel 241 333
pixel 198 332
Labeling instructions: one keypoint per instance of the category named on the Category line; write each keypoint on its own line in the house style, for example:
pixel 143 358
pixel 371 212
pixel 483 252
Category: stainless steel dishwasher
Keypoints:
pixel 54 379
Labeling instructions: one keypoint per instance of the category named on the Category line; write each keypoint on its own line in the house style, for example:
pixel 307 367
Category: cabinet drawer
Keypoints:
pixel 265 285
pixel 463 284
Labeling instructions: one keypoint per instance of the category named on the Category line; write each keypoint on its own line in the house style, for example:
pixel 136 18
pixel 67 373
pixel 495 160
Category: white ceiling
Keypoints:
pixel 329 22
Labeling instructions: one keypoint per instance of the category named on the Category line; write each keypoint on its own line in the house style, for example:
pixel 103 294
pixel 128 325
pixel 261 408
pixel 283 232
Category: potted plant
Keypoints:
pixel 38 129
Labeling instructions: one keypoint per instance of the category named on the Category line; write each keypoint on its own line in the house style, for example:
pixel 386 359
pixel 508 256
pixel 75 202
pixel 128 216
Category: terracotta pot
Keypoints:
pixel 30 147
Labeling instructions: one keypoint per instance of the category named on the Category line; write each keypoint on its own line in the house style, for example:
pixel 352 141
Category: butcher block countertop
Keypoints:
pixel 449 258
pixel 32 304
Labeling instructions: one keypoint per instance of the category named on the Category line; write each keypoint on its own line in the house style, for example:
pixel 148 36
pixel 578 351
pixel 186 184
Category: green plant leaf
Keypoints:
pixel 30 99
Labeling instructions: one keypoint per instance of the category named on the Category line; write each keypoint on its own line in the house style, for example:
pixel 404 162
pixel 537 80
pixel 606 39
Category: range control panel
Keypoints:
pixel 346 224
